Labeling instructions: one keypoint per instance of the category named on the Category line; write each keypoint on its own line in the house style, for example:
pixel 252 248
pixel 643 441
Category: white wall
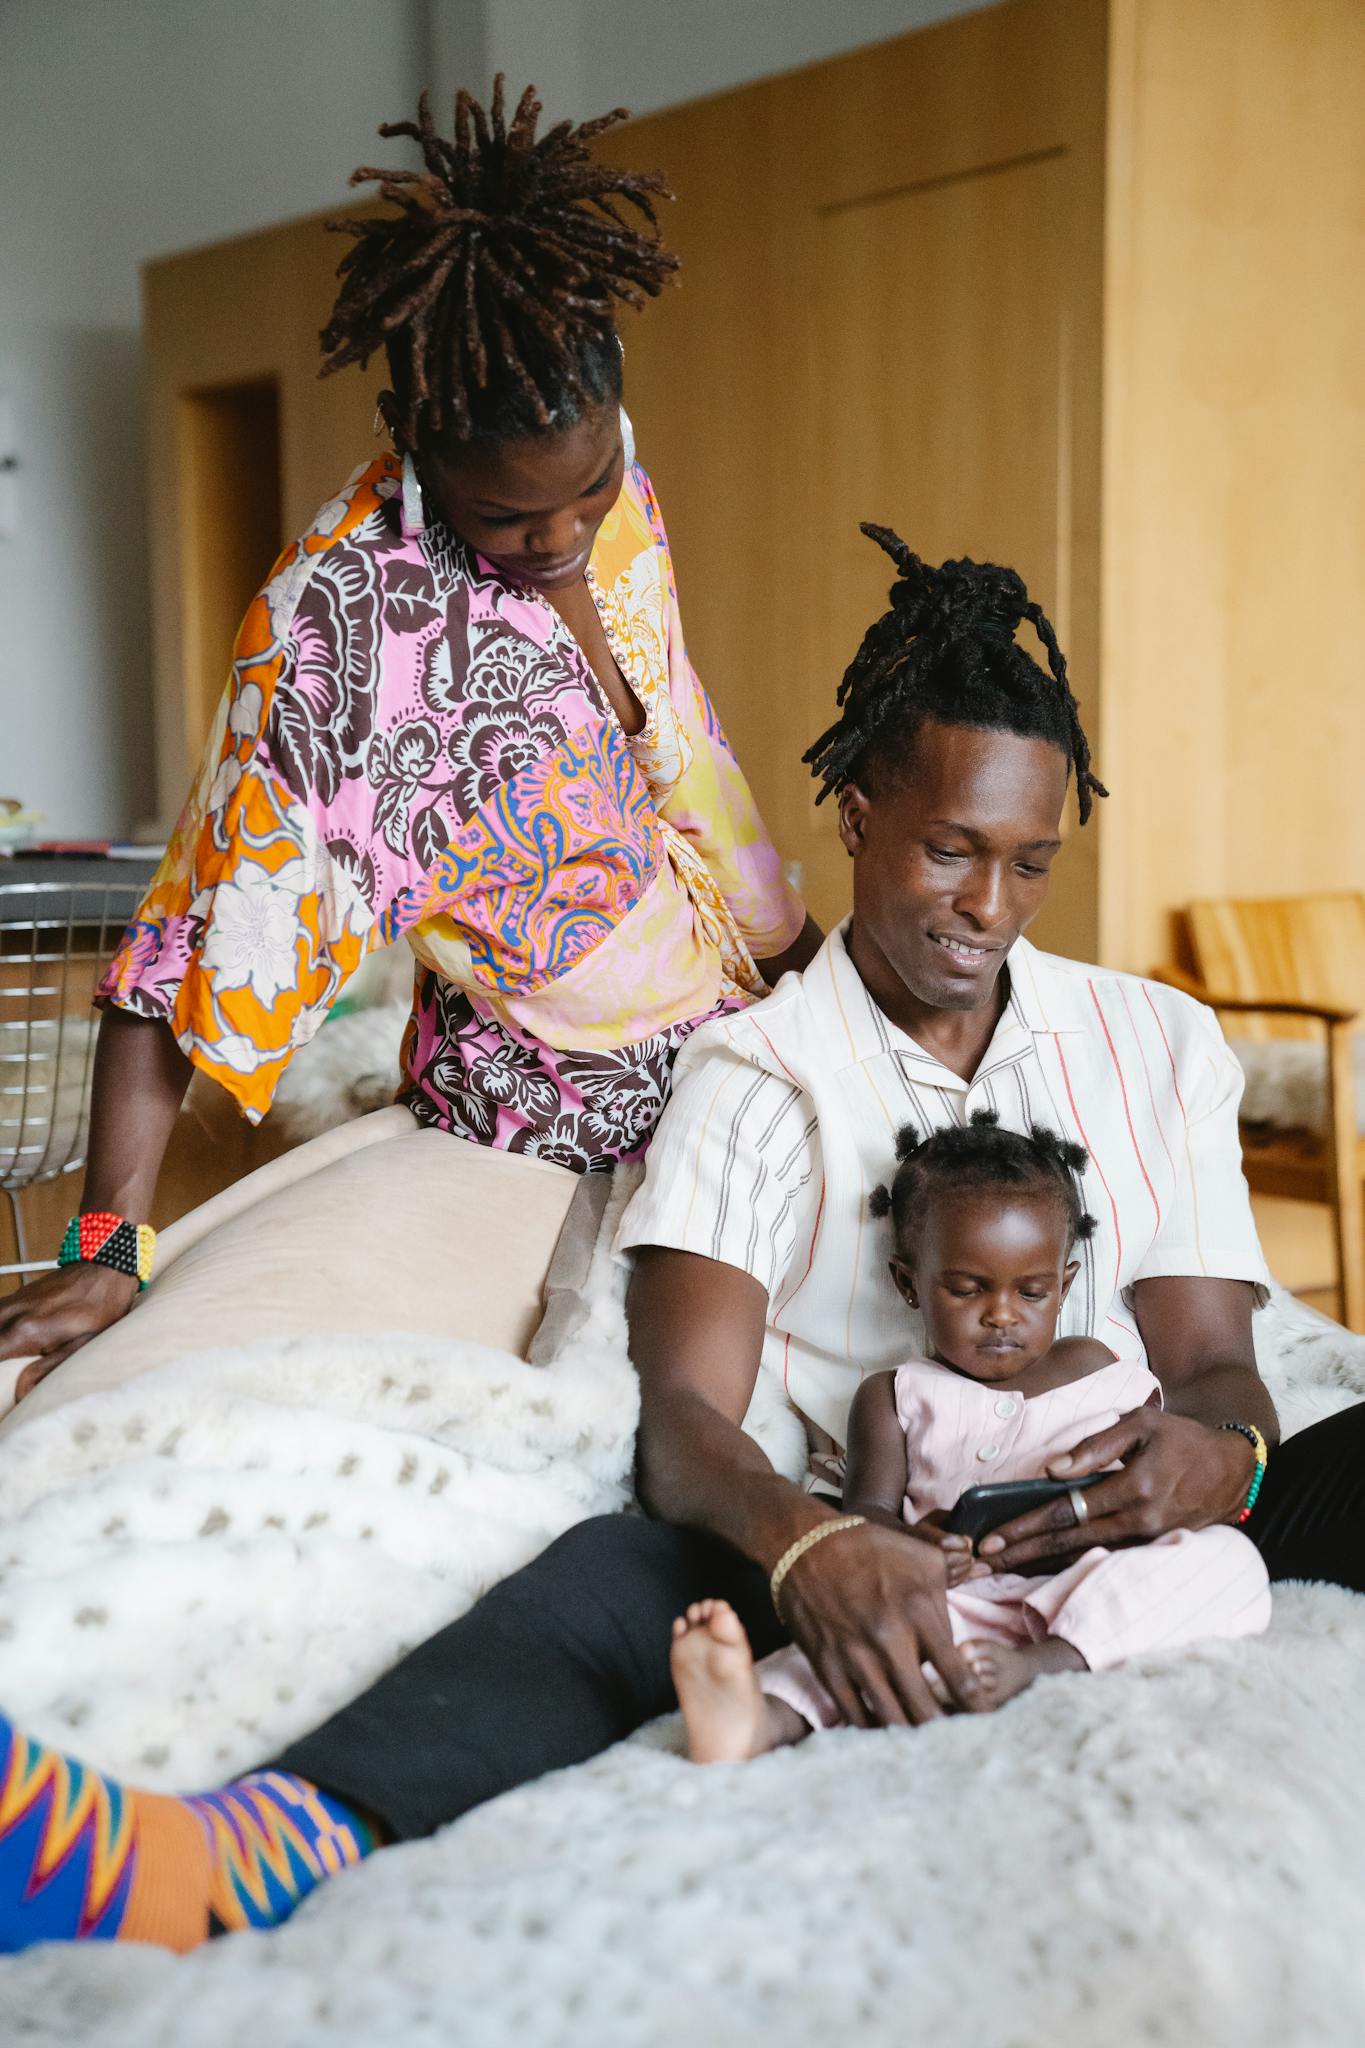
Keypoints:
pixel 131 128
pixel 646 54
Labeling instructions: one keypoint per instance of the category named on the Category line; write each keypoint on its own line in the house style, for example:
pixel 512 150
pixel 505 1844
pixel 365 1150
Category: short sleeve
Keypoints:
pixel 732 1173
pixel 1207 1229
pixel 258 914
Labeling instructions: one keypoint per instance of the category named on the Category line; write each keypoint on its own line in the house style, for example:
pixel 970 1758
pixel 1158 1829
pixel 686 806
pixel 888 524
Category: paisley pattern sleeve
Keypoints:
pixel 265 903
pixel 708 799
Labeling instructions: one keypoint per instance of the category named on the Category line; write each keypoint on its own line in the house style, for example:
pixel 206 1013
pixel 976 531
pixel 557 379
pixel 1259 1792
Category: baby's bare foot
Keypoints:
pixel 724 1712
pixel 1004 1669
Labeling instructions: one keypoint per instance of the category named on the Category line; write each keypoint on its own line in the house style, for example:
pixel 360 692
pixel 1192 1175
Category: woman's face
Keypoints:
pixel 532 507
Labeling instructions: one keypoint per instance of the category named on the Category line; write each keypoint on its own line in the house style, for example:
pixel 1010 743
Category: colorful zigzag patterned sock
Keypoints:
pixel 82 1858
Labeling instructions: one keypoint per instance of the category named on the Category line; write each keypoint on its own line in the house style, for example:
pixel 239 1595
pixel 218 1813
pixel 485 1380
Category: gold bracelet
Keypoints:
pixel 796 1550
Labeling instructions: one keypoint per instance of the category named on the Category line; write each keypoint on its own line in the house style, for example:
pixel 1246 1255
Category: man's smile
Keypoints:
pixel 969 953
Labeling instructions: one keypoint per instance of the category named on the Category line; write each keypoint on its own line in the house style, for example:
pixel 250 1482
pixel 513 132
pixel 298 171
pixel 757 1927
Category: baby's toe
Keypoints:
pixel 724 1623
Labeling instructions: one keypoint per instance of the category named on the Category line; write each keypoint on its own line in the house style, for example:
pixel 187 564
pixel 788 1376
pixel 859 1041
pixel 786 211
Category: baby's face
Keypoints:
pixel 988 1273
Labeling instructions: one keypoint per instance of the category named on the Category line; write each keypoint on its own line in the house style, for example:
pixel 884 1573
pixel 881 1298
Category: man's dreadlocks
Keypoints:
pixel 494 288
pixel 946 650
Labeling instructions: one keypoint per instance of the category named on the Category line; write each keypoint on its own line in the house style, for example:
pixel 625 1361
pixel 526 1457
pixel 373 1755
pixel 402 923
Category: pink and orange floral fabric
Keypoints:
pixel 412 747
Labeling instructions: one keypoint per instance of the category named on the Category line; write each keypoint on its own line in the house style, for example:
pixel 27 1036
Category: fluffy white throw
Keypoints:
pixel 205 1562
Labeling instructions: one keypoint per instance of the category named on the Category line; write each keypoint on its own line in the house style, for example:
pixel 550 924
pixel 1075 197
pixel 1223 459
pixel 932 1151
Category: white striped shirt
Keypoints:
pixel 784 1118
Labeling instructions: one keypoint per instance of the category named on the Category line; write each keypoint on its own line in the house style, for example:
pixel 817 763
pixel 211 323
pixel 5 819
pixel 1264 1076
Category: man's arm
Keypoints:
pixel 1182 1469
pixel 867 1606
pixel 1197 1335
pixel 696 1338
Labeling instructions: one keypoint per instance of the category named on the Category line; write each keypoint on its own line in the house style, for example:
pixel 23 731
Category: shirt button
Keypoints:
pixel 987 1452
pixel 1006 1405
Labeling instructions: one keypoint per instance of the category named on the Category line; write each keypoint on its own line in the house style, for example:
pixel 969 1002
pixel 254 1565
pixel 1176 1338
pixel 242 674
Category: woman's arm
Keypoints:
pixel 797 955
pixel 140 1080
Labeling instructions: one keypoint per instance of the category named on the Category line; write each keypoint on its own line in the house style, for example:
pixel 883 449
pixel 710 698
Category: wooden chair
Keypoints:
pixel 1295 968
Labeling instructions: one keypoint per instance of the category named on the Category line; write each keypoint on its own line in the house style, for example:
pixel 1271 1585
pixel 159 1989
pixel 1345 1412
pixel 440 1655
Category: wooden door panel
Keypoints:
pixel 941 410
pixel 889 308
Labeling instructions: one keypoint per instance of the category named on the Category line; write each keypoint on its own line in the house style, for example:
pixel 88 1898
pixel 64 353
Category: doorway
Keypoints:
pixel 231 529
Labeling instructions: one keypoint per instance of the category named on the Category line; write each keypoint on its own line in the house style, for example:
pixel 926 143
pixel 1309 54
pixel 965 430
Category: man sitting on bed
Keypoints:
pixel 755 1253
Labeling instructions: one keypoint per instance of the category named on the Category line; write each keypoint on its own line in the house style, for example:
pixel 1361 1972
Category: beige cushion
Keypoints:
pixel 379 1225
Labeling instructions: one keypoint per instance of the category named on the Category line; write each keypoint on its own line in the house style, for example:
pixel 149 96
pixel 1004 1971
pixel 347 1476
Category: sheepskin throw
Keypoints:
pixel 205 1561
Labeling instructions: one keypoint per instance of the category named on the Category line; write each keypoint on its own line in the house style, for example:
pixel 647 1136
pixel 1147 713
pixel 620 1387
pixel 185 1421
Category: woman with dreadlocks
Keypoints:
pixel 460 713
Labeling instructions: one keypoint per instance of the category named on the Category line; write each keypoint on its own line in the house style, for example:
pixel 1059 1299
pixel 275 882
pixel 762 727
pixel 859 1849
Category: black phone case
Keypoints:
pixel 983 1508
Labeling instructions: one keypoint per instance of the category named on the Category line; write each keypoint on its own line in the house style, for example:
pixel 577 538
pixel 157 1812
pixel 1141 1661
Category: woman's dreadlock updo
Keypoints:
pixel 494 288
pixel 946 650
pixel 977 1155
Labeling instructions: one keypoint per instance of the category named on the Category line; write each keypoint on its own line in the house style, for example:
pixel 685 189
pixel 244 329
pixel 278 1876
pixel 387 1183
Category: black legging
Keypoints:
pixel 570 1654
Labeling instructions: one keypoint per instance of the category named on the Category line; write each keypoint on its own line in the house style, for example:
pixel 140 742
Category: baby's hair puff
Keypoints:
pixel 980 1155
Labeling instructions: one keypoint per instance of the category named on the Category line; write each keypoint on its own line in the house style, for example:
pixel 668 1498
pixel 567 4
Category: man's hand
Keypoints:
pixel 868 1608
pixel 1176 1474
pixel 54 1315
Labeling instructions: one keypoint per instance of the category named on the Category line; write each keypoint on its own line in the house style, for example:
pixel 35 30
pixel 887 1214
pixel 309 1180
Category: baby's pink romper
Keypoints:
pixel 1109 1604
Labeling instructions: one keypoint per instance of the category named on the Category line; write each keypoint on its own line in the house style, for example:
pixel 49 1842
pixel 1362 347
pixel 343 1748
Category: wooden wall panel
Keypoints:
pixel 709 387
pixel 890 308
pixel 913 275
pixel 1234 601
pixel 944 420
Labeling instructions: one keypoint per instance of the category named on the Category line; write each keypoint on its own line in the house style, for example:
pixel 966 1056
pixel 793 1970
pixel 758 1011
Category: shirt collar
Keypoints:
pixel 1041 1002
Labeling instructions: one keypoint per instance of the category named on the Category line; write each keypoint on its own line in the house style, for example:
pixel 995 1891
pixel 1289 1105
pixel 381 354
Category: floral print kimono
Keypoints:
pixel 413 747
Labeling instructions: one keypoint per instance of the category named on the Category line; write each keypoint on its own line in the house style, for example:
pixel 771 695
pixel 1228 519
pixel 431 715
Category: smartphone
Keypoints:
pixel 983 1508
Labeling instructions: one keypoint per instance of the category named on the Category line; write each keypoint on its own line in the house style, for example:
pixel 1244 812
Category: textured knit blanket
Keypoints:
pixel 204 1563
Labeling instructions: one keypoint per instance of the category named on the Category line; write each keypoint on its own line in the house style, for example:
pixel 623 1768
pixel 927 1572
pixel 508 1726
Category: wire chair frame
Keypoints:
pixel 54 939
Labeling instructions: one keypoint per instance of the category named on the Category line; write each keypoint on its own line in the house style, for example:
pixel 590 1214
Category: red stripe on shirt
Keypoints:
pixel 1127 1111
pixel 777 1055
pixel 1147 1076
pixel 1085 1140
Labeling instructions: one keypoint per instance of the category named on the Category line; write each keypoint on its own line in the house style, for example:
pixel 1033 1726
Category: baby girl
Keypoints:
pixel 986 1222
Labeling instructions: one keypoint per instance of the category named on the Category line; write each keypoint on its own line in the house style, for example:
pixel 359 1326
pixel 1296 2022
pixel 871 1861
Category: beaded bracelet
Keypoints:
pixel 103 1239
pixel 833 1527
pixel 1258 1444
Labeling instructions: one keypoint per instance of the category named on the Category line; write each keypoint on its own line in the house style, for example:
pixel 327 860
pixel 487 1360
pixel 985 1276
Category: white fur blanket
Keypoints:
pixel 200 1565
pixel 205 1562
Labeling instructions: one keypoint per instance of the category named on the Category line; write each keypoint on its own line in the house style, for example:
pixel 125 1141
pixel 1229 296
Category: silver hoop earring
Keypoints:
pixel 414 515
pixel 627 439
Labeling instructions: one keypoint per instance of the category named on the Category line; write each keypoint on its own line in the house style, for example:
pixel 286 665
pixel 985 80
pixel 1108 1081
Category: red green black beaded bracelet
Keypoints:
pixel 103 1239
pixel 1258 1444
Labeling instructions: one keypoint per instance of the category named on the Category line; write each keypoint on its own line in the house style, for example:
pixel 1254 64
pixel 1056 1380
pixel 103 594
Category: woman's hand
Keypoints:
pixel 54 1315
pixel 868 1608
pixel 140 1080
pixel 1176 1474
